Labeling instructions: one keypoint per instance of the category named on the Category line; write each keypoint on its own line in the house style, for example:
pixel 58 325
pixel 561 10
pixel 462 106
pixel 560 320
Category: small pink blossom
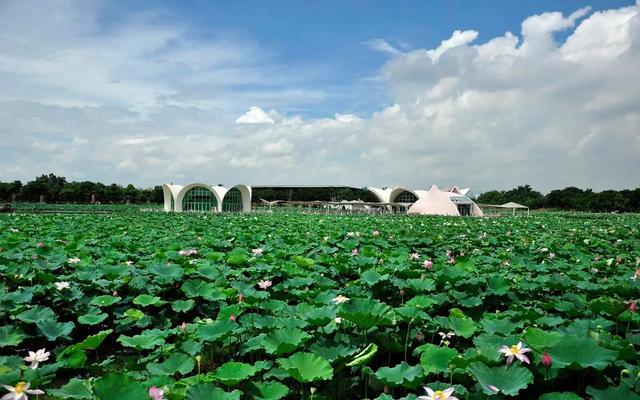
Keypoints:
pixel 232 317
pixel 428 264
pixel 451 260
pixel 414 256
pixel 188 252
pixel 552 256
pixel 156 393
pixel 355 252
pixel 375 233
pixel 240 298
pixel 39 244
pixel 257 252
pixel 340 299
pixel 546 360
pixel 265 284
pixel 632 306
pixel 183 327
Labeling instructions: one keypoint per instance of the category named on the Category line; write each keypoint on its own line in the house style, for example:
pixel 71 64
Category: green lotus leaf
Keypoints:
pixel 421 285
pixel 540 340
pixel 371 277
pixel 284 340
pixel 422 302
pixel 176 363
pixel 502 326
pixel 92 319
pixel 582 352
pixel 303 262
pixel 306 367
pixel 92 342
pixel 216 330
pixel 142 341
pixel 203 391
pixel 464 327
pixel 509 380
pixel 52 329
pixel 560 396
pixel 10 336
pixel 612 393
pixel 134 314
pixel 434 359
pixel 166 273
pixel 74 389
pixel 119 387
pixel 232 373
pixel 237 257
pixel 498 285
pixel 268 390
pixel 401 375
pixel 200 288
pixel 182 305
pixel 320 316
pixel 35 314
pixel 105 300
pixel 145 300
pixel 366 313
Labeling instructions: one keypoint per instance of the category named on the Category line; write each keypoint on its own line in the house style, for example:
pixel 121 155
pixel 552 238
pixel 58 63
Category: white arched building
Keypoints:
pixel 201 197
pixel 450 201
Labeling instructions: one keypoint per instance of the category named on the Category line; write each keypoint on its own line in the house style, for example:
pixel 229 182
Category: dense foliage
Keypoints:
pixel 291 306
pixel 570 198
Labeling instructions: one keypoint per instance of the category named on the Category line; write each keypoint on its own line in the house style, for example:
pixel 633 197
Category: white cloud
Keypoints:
pixel 382 46
pixel 255 115
pixel 458 38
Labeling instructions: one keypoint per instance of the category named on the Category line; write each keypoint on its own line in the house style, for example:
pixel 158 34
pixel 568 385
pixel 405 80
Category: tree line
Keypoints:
pixel 569 198
pixel 56 189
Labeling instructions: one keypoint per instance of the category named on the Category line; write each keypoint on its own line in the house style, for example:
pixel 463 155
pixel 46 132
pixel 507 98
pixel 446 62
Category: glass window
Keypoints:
pixel 232 201
pixel 199 199
pixel 405 197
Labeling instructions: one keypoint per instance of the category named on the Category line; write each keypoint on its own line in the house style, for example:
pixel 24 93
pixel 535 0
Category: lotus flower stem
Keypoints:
pixel 406 340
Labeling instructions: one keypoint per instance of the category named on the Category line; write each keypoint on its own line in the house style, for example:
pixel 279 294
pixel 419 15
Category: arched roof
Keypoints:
pixel 168 192
pixel 399 189
pixel 245 192
pixel 381 194
pixel 185 189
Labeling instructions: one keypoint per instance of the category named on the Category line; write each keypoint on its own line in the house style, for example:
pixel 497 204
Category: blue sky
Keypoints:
pixel 329 36
pixel 482 94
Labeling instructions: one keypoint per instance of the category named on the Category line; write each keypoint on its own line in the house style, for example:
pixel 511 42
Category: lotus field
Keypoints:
pixel 138 305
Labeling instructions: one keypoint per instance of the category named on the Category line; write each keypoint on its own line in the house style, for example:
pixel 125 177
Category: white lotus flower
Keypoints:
pixel 257 252
pixel 62 285
pixel 516 351
pixel 73 260
pixel 438 394
pixel 340 299
pixel 37 357
pixel 19 392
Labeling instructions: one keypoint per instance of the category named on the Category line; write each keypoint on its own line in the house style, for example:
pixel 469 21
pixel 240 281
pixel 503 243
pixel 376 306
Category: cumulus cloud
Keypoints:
pixel 520 108
pixel 255 115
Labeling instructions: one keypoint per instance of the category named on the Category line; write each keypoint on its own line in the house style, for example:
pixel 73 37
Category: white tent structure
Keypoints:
pixel 440 202
pixel 509 206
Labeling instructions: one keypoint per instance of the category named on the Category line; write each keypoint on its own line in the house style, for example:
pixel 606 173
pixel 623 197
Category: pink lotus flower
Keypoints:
pixel 232 317
pixel 516 351
pixel 156 393
pixel 39 244
pixel 552 256
pixel 632 306
pixel 375 233
pixel 451 260
pixel 183 327
pixel 546 360
pixel 438 394
pixel 355 252
pixel 188 252
pixel 414 256
pixel 265 284
pixel 428 264
pixel 257 252
pixel 240 298
pixel 401 292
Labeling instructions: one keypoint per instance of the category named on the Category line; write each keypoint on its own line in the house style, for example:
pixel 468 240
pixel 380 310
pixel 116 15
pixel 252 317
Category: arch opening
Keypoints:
pixel 233 201
pixel 405 197
pixel 199 199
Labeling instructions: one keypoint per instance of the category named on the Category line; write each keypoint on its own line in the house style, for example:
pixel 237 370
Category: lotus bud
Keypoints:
pixel 632 306
pixel 401 292
pixel 240 298
pixel 115 293
pixel 313 390
pixel 546 360
pixel 183 327
pixel 232 317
